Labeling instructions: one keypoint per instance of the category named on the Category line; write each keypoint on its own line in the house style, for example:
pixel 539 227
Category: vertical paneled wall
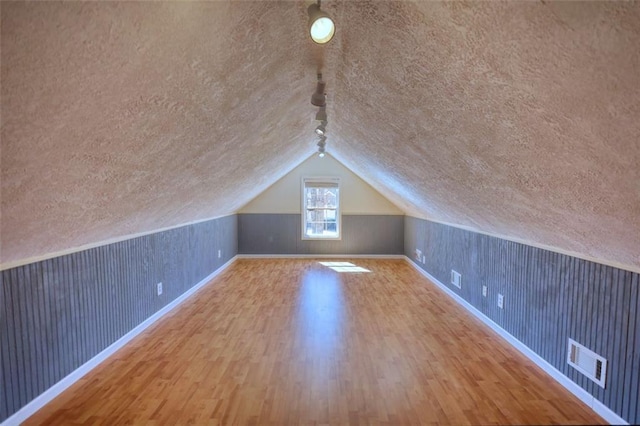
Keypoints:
pixel 549 298
pixel 279 233
pixel 59 313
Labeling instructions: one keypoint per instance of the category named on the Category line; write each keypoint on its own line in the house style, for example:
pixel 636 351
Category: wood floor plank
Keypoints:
pixel 290 341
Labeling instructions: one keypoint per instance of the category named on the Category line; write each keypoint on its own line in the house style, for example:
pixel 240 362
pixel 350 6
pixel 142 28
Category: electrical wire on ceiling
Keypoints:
pixel 321 30
pixel 319 99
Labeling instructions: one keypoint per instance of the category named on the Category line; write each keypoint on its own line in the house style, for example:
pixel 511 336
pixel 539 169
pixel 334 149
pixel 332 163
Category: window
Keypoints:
pixel 320 208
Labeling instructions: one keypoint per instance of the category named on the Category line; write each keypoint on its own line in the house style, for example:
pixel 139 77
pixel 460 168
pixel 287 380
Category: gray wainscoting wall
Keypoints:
pixel 282 234
pixel 59 313
pixel 549 298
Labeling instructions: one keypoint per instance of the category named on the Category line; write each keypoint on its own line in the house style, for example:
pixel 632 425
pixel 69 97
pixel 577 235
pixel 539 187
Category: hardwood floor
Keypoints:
pixel 293 342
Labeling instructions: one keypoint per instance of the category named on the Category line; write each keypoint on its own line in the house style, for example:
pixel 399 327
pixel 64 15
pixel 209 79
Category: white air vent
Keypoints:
pixel 456 279
pixel 587 362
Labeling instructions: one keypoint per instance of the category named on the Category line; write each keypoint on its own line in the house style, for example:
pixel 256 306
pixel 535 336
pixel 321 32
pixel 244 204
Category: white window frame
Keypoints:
pixel 324 180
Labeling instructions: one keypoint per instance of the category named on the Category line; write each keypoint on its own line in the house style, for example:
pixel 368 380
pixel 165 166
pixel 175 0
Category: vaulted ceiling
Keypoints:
pixel 517 119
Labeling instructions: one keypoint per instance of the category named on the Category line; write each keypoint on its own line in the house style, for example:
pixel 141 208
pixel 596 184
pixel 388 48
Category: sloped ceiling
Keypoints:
pixel 517 119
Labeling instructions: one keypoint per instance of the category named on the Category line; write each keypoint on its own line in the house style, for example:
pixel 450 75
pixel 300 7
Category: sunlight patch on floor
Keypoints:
pixel 344 267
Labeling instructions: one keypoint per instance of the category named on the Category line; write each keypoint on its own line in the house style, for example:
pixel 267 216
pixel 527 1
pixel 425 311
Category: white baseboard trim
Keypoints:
pixel 47 396
pixel 597 406
pixel 321 256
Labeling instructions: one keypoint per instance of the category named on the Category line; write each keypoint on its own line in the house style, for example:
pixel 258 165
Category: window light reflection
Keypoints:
pixel 321 312
pixel 344 267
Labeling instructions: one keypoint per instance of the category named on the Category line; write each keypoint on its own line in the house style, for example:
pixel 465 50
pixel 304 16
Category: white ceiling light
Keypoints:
pixel 321 26
pixel 321 130
pixel 322 143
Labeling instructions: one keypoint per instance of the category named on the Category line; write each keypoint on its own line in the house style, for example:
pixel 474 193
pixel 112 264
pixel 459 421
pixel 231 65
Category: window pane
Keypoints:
pixel 322 197
pixel 321 216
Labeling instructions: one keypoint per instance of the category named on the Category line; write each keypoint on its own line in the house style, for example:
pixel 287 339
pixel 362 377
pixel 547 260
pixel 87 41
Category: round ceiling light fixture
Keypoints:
pixel 321 130
pixel 322 143
pixel 321 26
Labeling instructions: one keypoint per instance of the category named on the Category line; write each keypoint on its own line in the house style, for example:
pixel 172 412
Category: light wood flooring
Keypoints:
pixel 289 341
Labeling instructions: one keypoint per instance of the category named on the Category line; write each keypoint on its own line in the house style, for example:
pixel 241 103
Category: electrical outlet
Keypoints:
pixel 418 255
pixel 424 259
pixel 159 288
pixel 484 291
pixel 456 279
pixel 219 254
pixel 500 301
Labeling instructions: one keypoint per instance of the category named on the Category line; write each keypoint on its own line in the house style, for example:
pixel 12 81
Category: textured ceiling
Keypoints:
pixel 518 119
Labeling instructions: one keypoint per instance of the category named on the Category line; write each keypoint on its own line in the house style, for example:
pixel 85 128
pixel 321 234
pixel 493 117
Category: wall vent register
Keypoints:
pixel 456 279
pixel 587 362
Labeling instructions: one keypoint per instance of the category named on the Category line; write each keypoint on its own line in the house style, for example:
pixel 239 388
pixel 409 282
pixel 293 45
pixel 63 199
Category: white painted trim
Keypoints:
pixel 597 406
pixel 321 256
pixel 606 413
pixel 47 396
pixel 70 250
pixel 40 401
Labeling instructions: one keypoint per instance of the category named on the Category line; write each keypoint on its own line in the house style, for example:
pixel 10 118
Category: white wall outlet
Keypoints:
pixel 500 301
pixel 219 254
pixel 159 288
pixel 456 279
pixel 484 291
pixel 418 255
pixel 424 259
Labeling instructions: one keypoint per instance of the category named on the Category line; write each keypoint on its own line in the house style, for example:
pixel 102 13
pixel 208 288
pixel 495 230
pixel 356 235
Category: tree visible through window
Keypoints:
pixel 321 208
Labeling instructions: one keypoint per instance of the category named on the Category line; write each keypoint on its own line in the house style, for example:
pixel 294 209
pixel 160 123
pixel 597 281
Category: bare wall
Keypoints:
pixel 282 234
pixel 57 314
pixel 357 196
pixel 549 298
